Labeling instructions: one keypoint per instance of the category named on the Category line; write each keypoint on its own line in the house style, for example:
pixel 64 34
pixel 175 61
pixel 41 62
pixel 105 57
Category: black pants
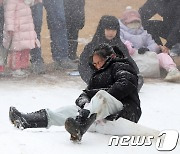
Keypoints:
pixel 1 24
pixel 72 35
pixel 157 29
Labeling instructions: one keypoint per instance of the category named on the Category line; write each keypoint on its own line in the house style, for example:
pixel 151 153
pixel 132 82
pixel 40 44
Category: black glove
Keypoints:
pixel 82 100
pixel 142 50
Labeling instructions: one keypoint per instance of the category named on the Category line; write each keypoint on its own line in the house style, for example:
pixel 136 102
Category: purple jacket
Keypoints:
pixel 138 37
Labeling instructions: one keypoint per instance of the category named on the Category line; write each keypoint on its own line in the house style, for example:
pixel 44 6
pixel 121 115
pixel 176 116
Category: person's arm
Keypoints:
pixel 151 44
pixel 148 10
pixel 174 34
pixel 130 48
pixel 9 14
pixel 82 100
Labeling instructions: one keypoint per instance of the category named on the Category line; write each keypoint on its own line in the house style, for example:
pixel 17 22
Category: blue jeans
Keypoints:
pixel 57 27
pixel 37 13
pixel 1 24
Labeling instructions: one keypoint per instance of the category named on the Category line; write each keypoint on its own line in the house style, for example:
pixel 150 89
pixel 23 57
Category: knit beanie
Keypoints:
pixel 130 15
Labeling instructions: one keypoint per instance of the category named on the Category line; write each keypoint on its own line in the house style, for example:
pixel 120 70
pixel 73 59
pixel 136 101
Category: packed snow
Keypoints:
pixel 159 101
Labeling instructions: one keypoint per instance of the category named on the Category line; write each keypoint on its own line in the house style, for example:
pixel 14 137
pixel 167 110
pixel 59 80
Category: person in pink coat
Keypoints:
pixel 19 34
pixel 1 33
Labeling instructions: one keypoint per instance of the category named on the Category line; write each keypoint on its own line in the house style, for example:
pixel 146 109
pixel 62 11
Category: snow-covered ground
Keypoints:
pixel 160 105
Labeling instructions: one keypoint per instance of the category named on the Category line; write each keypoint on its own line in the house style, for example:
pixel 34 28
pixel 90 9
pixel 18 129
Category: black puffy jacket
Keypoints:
pixel 118 78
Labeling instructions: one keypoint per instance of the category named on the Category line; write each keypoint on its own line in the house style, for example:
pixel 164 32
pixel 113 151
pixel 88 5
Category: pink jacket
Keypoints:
pixel 1 1
pixel 18 18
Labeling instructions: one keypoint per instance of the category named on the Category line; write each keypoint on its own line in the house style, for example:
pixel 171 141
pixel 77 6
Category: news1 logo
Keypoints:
pixel 166 140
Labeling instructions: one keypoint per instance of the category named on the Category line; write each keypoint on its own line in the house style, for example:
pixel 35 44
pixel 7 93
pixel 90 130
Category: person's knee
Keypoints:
pixel 101 96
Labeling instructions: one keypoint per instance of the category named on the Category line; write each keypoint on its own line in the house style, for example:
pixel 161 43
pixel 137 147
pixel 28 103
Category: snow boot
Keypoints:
pixel 36 119
pixel 77 127
pixel 173 75
pixel 175 51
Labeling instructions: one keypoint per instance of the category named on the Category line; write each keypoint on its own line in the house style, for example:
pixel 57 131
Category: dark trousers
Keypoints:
pixel 37 13
pixel 1 24
pixel 57 28
pixel 72 35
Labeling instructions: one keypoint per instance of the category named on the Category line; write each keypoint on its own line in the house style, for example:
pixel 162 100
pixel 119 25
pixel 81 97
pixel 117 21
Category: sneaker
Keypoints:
pixel 173 75
pixel 20 73
pixel 38 68
pixel 175 51
pixel 75 58
pixel 73 73
pixel 66 63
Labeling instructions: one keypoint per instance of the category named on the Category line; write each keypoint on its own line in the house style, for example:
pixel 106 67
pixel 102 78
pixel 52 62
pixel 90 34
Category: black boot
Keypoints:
pixel 36 119
pixel 77 127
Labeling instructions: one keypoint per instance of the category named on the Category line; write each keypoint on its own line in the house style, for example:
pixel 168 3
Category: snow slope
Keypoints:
pixel 160 105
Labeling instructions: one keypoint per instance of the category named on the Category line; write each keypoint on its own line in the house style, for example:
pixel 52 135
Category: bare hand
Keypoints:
pixel 164 49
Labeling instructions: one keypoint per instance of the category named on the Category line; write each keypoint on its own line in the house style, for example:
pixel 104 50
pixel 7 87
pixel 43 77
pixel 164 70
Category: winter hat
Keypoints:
pixel 130 15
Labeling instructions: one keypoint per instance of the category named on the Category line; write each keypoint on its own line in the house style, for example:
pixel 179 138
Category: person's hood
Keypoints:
pixel 124 28
pixel 106 22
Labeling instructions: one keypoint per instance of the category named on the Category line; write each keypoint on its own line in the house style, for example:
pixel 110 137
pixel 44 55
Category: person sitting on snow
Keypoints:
pixel 110 95
pixel 131 30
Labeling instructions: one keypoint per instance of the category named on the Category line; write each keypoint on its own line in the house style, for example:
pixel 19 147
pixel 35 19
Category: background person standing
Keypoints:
pixel 75 20
pixel 58 35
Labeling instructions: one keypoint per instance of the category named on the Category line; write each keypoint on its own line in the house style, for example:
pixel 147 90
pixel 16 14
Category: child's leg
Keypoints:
pixel 24 63
pixel 19 59
pixel 14 59
pixel 166 62
pixel 1 68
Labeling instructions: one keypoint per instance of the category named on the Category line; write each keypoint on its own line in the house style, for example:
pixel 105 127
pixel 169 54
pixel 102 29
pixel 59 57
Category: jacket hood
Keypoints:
pixel 106 22
pixel 130 30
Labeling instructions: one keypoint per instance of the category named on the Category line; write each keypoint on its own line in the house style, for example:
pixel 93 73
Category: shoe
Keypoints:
pixel 20 120
pixel 66 63
pixel 175 51
pixel 173 75
pixel 38 68
pixel 77 127
pixel 74 73
pixel 20 73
